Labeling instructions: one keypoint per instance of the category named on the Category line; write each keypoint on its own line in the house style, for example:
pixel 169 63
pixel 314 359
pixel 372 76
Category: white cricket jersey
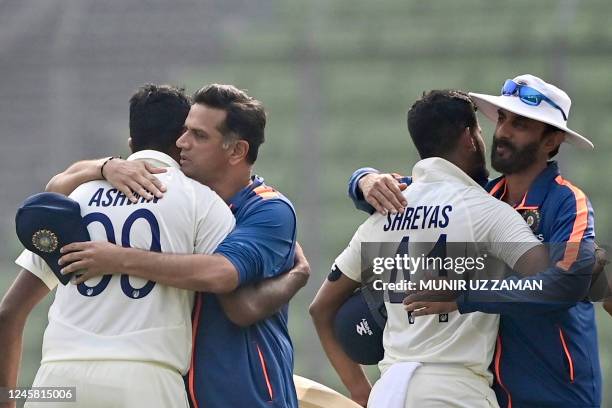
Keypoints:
pixel 117 317
pixel 443 200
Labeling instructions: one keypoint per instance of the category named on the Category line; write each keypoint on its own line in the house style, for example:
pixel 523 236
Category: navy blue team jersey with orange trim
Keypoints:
pixel 247 367
pixel 547 353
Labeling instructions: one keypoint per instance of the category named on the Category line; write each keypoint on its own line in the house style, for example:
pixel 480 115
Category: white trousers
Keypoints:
pixel 449 385
pixel 112 384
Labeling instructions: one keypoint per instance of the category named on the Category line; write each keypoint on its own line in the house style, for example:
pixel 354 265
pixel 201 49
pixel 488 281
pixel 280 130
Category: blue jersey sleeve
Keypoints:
pixel 263 243
pixel 355 192
pixel 566 282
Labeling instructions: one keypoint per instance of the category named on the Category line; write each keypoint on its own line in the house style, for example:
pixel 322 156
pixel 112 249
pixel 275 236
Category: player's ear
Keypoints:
pixel 467 140
pixel 553 140
pixel 239 151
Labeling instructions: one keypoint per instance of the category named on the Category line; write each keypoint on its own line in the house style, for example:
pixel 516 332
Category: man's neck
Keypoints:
pixel 518 184
pixel 231 184
pixel 461 162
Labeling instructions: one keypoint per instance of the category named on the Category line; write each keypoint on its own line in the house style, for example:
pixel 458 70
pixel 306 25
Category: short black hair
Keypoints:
pixel 437 120
pixel 157 116
pixel 246 118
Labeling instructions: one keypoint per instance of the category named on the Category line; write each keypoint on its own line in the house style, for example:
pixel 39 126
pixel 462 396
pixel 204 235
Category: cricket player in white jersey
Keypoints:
pixel 446 204
pixel 123 341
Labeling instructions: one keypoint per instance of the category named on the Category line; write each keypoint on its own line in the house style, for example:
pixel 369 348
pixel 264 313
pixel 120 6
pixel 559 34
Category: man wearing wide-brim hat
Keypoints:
pixel 547 352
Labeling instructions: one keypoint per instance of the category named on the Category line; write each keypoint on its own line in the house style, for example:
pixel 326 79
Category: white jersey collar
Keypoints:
pixel 154 157
pixel 435 169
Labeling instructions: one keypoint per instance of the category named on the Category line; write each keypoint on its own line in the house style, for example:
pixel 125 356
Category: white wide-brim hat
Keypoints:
pixel 544 112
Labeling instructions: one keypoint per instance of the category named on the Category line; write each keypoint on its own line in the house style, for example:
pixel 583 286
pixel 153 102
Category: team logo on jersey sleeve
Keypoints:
pixel 532 218
pixel 45 241
pixel 335 273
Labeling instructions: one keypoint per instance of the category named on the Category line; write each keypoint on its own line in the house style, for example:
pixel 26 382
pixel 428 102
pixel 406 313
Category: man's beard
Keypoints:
pixel 479 172
pixel 517 160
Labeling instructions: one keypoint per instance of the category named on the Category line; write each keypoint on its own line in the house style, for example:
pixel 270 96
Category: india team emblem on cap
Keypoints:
pixel 45 240
pixel 532 218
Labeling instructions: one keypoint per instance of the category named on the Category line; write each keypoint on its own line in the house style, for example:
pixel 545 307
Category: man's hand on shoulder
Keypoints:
pixel 126 176
pixel 134 176
pixel 383 192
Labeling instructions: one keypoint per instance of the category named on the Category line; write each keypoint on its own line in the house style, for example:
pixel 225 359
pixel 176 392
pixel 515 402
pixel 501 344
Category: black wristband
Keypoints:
pixel 104 164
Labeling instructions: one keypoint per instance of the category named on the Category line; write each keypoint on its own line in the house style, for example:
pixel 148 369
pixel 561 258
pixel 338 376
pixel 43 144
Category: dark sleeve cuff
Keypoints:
pixel 463 306
pixel 239 264
pixel 355 194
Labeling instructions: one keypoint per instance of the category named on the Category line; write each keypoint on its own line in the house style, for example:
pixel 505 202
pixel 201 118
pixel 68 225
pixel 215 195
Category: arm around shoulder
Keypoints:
pixel 249 304
pixel 75 175
pixel 262 244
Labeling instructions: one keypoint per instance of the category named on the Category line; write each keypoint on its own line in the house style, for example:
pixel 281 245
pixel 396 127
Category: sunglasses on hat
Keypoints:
pixel 528 95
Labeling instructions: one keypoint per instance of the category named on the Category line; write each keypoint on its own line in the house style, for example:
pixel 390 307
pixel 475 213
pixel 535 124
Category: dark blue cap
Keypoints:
pixel 359 326
pixel 45 222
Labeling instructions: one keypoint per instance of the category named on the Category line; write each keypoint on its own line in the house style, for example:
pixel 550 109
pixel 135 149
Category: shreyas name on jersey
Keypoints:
pixel 421 217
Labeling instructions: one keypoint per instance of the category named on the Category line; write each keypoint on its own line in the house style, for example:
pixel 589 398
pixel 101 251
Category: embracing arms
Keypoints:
pixel 126 176
pixel 244 306
pixel 260 300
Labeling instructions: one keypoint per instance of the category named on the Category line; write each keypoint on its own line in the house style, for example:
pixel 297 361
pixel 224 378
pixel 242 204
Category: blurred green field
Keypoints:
pixel 337 79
